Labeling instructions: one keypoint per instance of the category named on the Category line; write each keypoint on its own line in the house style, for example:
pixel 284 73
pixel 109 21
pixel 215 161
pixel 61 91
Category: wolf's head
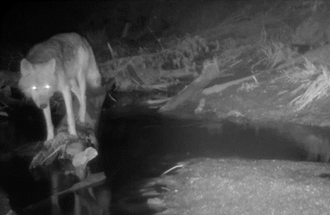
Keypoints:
pixel 38 81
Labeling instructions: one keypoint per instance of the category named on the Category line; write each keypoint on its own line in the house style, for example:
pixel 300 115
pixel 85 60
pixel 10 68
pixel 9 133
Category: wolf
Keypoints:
pixel 64 63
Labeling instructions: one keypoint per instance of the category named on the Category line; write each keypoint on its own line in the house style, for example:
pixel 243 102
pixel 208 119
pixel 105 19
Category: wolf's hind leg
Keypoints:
pixel 49 124
pixel 69 110
pixel 81 98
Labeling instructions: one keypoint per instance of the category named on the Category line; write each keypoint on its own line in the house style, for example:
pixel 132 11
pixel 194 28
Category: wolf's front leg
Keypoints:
pixel 69 111
pixel 49 124
pixel 82 110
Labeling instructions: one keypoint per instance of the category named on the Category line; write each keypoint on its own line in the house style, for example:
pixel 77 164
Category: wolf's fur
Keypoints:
pixel 63 63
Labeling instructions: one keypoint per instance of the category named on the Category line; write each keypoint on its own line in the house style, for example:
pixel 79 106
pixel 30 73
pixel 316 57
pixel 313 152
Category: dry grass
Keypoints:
pixel 314 81
pixel 179 54
pixel 277 52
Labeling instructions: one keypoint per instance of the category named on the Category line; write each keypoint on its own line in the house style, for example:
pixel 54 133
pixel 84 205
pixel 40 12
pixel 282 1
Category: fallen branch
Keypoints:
pixel 210 72
pixel 218 88
pixel 90 181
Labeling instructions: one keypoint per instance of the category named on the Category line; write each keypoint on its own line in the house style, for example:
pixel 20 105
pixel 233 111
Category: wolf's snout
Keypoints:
pixel 43 106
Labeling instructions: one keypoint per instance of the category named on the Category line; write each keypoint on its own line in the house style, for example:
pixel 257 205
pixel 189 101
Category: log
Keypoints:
pixel 210 72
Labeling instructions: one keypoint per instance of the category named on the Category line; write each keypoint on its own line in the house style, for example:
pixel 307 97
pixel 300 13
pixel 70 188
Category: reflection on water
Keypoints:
pixel 133 141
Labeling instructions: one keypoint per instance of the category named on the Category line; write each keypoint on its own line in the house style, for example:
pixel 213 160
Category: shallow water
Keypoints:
pixel 133 143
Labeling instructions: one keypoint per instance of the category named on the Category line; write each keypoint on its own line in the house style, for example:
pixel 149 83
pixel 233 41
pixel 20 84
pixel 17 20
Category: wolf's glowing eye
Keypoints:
pixel 34 87
pixel 47 86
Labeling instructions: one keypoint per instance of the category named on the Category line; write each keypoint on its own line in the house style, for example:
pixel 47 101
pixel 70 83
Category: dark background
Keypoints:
pixel 25 23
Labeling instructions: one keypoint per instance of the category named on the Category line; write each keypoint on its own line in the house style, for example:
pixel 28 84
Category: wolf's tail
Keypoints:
pixel 93 75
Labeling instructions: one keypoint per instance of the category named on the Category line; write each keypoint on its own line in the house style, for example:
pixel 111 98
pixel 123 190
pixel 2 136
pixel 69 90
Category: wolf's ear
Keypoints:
pixel 50 66
pixel 26 67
